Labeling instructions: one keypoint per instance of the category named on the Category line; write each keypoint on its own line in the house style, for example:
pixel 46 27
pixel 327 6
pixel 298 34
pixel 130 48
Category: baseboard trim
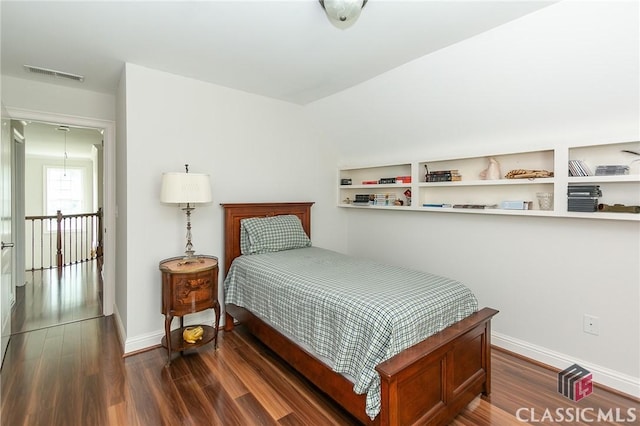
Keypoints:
pixel 132 346
pixel 143 342
pixel 148 341
pixel 615 380
pixel 121 333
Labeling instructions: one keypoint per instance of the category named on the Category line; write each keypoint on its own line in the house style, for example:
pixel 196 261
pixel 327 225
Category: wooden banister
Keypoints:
pixel 78 239
pixel 59 240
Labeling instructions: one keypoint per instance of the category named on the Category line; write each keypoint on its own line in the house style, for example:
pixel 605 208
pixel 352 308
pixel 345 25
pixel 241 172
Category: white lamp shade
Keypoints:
pixel 182 188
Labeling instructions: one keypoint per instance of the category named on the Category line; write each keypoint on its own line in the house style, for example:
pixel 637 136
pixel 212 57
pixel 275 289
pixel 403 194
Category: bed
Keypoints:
pixel 426 383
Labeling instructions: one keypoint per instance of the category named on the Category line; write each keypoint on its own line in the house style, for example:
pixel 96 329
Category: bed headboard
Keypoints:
pixel 233 213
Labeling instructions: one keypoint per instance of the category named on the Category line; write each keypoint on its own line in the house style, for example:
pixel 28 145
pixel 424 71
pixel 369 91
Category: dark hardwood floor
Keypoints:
pixel 48 298
pixel 75 374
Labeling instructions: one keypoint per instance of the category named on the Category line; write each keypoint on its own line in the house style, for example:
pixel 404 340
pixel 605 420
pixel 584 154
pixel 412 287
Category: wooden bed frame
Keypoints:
pixel 428 383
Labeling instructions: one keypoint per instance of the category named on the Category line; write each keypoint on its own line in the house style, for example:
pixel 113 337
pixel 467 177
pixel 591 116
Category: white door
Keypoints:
pixel 6 251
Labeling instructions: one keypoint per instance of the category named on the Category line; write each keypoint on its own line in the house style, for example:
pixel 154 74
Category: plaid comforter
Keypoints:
pixel 355 313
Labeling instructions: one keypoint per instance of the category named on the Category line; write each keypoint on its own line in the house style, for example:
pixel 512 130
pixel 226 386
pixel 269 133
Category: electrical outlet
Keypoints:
pixel 591 324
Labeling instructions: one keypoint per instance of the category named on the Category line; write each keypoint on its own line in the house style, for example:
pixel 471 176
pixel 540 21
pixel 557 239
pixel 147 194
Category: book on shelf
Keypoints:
pixel 583 198
pixel 583 187
pixel 612 170
pixel 475 206
pixel 386 180
pixel 362 200
pixel 440 205
pixel 443 176
pixel 579 168
pixel 586 205
pixel 516 205
pixel 384 199
pixel 581 191
pixel 444 172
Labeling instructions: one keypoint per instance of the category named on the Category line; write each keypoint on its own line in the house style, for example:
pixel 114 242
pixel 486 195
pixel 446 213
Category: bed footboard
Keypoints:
pixel 428 383
pixel 434 380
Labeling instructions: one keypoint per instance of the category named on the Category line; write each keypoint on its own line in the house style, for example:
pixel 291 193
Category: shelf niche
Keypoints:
pixel 473 190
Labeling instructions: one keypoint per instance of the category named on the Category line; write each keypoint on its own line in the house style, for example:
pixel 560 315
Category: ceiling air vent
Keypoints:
pixel 54 73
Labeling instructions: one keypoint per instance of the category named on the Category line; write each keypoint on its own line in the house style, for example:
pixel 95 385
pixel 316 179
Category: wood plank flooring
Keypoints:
pixel 48 299
pixel 75 374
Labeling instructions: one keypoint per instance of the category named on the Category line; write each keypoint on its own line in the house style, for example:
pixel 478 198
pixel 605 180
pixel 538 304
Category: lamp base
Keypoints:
pixel 189 253
pixel 190 257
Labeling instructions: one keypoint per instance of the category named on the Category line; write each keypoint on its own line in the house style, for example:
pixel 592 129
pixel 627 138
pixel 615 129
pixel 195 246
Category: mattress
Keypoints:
pixel 353 313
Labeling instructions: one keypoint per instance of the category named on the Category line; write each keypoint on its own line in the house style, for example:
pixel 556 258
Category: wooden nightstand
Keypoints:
pixel 188 288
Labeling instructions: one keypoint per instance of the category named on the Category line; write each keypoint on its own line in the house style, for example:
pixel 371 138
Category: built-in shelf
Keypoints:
pixel 471 189
pixel 377 186
pixel 487 182
pixel 604 179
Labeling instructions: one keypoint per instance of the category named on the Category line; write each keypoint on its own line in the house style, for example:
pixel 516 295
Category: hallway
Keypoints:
pixel 48 300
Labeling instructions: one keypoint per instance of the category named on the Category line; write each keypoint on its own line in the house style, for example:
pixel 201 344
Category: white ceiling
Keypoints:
pixel 45 140
pixel 281 49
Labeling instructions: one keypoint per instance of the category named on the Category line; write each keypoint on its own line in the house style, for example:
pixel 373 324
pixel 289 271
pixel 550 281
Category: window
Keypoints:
pixel 64 191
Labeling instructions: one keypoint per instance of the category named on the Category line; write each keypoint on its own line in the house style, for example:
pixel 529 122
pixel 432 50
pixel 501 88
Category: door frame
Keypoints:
pixel 7 223
pixel 17 201
pixel 109 188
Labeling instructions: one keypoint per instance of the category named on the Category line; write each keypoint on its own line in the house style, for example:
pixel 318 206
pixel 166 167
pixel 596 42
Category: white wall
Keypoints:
pixel 255 149
pixel 567 74
pixel 37 96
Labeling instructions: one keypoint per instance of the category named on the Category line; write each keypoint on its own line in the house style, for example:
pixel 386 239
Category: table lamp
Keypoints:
pixel 188 189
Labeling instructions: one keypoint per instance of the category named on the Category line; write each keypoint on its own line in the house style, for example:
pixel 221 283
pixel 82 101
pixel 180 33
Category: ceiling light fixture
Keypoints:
pixel 343 13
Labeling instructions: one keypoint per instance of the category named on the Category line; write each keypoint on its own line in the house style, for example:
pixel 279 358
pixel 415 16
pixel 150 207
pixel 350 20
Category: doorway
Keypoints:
pixel 105 272
pixel 59 266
